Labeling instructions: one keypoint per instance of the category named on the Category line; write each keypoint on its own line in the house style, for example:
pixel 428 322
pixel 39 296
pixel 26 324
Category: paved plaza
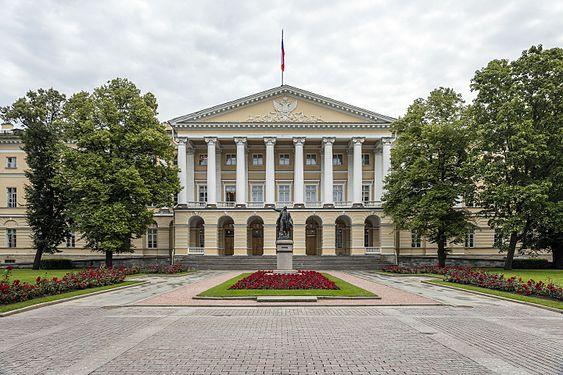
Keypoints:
pixel 112 334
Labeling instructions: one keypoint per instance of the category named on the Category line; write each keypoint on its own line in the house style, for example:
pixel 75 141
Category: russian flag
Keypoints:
pixel 282 55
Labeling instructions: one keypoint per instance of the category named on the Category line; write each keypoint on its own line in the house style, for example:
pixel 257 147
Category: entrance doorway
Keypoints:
pixel 255 236
pixel 226 235
pixel 313 235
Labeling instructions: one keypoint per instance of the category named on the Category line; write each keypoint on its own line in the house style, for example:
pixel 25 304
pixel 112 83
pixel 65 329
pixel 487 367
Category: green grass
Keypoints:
pixel 537 274
pixel 29 275
pixel 19 305
pixel 540 301
pixel 346 290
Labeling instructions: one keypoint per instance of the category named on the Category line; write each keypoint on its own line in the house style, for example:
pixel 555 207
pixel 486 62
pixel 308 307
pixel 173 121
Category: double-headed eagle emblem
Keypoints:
pixel 284 107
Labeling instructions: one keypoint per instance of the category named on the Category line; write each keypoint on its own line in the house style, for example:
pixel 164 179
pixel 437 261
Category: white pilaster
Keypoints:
pixel 298 173
pixel 211 171
pixel 357 196
pixel 182 170
pixel 190 170
pixel 241 171
pixel 378 180
pixel 328 175
pixel 386 155
pixel 270 193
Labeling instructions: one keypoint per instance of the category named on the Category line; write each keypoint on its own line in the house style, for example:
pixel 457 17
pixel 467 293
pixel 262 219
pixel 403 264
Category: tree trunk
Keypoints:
pixel 558 256
pixel 109 259
pixel 442 251
pixel 37 260
pixel 511 251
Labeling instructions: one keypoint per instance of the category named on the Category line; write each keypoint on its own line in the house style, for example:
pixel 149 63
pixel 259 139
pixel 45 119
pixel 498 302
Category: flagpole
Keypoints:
pixel 283 59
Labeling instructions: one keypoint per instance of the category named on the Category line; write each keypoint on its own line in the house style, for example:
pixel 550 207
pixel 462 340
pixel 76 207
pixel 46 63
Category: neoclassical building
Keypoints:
pixel 324 159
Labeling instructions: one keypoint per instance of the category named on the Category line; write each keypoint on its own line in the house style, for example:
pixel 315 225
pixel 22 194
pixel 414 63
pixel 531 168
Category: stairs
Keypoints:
pixel 360 262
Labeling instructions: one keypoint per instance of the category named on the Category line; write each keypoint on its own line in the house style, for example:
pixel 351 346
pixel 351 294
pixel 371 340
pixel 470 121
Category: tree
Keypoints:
pixel 121 164
pixel 517 117
pixel 40 113
pixel 430 170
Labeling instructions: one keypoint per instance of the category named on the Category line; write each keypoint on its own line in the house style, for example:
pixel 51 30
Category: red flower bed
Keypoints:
pixel 300 280
pixel 17 291
pixel 498 282
pixel 423 269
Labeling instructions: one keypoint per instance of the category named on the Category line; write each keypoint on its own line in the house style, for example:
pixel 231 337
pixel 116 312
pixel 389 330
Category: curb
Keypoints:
pixel 254 298
pixel 44 304
pixel 497 297
pixel 266 304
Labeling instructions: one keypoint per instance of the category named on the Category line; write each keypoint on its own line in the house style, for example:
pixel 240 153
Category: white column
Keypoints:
pixel 190 170
pixel 298 173
pixel 241 171
pixel 378 180
pixel 386 155
pixel 182 170
pixel 211 172
pixel 350 177
pixel 357 196
pixel 328 177
pixel 270 193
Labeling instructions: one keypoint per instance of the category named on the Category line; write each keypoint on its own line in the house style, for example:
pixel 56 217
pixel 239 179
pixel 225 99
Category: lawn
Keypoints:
pixel 346 290
pixel 35 301
pixel 537 274
pixel 29 275
pixel 539 300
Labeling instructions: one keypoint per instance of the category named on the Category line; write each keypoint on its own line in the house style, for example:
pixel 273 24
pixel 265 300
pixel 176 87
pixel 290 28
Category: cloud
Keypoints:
pixel 379 55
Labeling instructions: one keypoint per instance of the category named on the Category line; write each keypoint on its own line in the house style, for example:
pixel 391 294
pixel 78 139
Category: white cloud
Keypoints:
pixel 380 55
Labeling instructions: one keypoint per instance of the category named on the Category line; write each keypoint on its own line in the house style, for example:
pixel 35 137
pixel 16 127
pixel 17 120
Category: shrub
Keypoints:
pixel 531 263
pixel 156 268
pixel 299 280
pixel 422 269
pixel 56 263
pixel 498 282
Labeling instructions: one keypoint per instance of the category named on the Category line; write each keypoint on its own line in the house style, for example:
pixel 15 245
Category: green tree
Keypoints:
pixel 40 113
pixel 121 164
pixel 517 117
pixel 430 170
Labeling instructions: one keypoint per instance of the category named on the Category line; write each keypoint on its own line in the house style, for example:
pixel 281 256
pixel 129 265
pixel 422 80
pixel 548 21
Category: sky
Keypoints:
pixel 379 55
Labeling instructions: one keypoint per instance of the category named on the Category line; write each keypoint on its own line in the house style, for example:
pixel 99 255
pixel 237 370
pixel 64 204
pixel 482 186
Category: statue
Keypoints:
pixel 284 223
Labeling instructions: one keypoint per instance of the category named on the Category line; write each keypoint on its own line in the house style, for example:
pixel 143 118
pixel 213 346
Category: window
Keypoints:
pixel 202 159
pixel 365 193
pixel 257 160
pixel 338 193
pixel 311 159
pixel 337 159
pixel 12 196
pixel 470 239
pixel 152 237
pixel 230 159
pixel 310 193
pixel 469 201
pixel 258 193
pixel 339 240
pixel 11 162
pixel 365 159
pixel 11 237
pixel 284 159
pixel 499 239
pixel 202 193
pixel 230 193
pixel 415 239
pixel 70 240
pixel 283 193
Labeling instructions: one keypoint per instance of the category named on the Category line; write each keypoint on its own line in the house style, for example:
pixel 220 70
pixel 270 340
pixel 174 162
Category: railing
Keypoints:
pixel 255 204
pixel 314 204
pixel 282 204
pixel 197 204
pixel 372 250
pixel 372 204
pixel 195 250
pixel 342 204
pixel 226 204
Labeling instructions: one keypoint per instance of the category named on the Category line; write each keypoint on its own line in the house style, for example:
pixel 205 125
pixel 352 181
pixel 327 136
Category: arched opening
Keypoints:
pixel 196 241
pixel 371 234
pixel 343 225
pixel 226 235
pixel 313 235
pixel 152 236
pixel 255 236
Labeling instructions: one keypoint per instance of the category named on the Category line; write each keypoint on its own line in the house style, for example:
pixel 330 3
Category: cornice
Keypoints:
pixel 291 125
pixel 285 89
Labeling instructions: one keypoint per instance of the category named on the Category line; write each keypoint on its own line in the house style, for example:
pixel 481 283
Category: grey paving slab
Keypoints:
pixel 108 334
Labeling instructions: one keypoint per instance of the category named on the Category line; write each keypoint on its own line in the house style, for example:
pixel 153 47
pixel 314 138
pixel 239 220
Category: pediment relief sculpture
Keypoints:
pixel 284 111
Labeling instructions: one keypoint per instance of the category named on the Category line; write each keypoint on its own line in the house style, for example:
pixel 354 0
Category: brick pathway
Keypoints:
pixel 108 334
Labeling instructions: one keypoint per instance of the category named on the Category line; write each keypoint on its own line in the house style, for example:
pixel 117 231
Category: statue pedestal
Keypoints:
pixel 284 252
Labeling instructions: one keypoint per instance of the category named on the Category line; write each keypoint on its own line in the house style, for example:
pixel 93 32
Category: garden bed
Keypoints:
pixel 344 289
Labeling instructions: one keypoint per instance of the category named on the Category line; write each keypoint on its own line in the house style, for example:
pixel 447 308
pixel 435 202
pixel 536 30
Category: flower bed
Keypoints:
pixel 300 280
pixel 422 269
pixel 498 282
pixel 157 268
pixel 16 291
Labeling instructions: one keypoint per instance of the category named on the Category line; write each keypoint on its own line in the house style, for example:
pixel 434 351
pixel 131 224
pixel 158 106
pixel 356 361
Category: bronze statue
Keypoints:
pixel 284 224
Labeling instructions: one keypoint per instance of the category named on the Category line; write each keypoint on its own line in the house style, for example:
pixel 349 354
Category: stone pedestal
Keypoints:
pixel 284 252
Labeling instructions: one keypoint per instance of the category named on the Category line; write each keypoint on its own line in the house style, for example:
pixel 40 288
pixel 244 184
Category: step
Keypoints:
pixel 286 299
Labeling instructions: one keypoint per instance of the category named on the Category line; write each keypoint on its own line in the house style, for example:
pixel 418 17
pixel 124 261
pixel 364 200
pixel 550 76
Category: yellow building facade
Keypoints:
pixel 323 159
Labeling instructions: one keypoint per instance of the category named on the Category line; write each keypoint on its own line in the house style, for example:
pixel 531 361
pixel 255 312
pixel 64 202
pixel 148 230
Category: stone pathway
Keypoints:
pixel 107 334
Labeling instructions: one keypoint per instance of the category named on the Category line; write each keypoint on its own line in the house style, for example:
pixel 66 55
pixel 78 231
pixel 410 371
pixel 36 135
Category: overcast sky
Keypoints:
pixel 379 55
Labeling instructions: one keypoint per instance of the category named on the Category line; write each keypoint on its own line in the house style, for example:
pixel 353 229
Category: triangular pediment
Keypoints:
pixel 284 104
